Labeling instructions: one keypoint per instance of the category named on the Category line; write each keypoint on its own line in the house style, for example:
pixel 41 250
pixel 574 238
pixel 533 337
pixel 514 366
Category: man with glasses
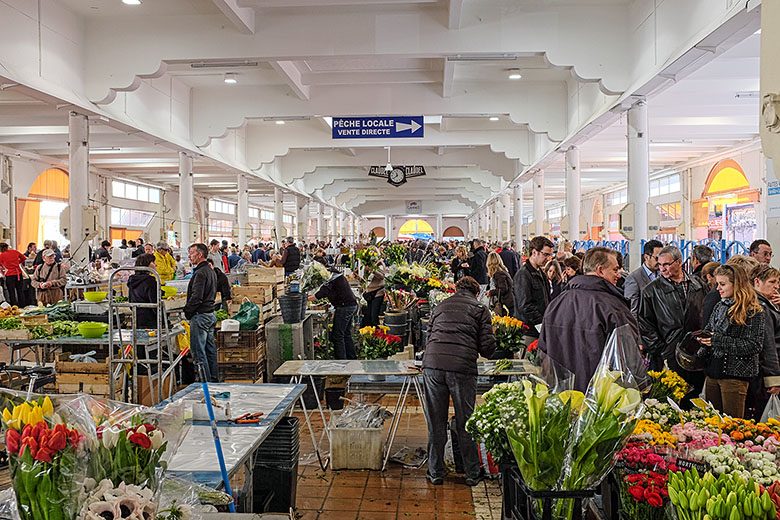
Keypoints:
pixel 647 272
pixel 761 250
pixel 531 287
pixel 670 307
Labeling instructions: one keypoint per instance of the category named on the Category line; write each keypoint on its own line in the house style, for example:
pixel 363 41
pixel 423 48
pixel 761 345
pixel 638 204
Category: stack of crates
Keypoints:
pixel 264 285
pixel 241 355
pixel 276 467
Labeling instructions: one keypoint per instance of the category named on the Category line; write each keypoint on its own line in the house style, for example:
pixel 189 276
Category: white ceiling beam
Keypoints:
pixel 294 78
pixel 369 77
pixel 243 18
pixel 268 4
pixel 454 14
pixel 448 76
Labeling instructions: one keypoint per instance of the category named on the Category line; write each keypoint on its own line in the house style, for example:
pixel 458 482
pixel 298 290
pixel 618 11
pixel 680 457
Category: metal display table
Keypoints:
pixel 33 345
pixel 196 457
pixel 381 368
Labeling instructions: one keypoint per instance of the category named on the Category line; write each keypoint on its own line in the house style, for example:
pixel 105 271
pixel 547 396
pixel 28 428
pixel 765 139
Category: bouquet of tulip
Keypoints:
pixel 666 383
pixel 368 257
pixel 376 343
pixel 43 455
pixel 509 333
pixel 395 254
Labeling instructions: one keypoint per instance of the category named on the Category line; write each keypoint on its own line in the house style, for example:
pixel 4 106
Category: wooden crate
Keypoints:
pixel 15 334
pixel 258 294
pixel 232 372
pixel 71 373
pixel 265 275
pixel 38 319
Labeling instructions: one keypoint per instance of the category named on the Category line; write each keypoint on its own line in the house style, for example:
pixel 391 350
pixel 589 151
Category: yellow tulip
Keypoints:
pixel 24 412
pixel 48 407
pixel 7 417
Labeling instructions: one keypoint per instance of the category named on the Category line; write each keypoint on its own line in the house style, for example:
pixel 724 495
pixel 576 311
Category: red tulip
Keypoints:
pixel 149 427
pixel 99 432
pixel 141 440
pixel 38 429
pixel 26 431
pixel 28 442
pixel 12 440
pixel 74 437
pixel 57 441
pixel 44 455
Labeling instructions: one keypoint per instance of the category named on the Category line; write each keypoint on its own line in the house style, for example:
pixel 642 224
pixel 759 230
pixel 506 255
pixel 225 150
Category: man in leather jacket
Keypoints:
pixel 670 307
pixel 531 287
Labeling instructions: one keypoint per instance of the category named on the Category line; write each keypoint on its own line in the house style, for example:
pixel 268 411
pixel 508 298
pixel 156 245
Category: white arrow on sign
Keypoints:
pixel 400 127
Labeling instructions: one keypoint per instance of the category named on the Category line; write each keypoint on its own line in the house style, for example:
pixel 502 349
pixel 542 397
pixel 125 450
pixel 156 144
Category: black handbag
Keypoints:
pixel 690 354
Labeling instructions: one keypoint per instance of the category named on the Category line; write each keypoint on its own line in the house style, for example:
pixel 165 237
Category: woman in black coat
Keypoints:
pixel 766 280
pixel 143 289
pixel 460 266
pixel 501 294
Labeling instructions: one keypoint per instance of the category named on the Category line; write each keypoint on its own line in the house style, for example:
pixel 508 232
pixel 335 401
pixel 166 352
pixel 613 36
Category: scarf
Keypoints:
pixel 720 315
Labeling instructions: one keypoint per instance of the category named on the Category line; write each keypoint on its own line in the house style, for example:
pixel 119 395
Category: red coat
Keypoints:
pixel 10 261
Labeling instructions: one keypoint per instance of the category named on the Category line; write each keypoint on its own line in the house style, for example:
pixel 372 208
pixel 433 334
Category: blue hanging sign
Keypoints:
pixel 388 127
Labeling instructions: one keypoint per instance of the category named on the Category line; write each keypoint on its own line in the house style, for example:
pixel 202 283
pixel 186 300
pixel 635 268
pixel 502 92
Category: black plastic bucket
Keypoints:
pixel 397 322
pixel 290 307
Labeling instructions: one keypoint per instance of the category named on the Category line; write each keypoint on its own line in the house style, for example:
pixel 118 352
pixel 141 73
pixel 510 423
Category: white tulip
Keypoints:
pixel 156 437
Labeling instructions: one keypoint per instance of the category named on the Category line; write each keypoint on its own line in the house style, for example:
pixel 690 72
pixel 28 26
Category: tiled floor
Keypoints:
pixel 397 493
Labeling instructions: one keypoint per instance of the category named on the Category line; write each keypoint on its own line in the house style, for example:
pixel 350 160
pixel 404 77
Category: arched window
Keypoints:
pixel 379 231
pixel 38 215
pixel 454 232
pixel 415 229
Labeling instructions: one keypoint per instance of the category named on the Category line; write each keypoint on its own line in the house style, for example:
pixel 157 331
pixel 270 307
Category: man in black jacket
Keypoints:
pixel 291 257
pixel 199 309
pixel 479 263
pixel 340 295
pixel 578 323
pixel 532 289
pixel 510 258
pixel 458 332
pixel 670 307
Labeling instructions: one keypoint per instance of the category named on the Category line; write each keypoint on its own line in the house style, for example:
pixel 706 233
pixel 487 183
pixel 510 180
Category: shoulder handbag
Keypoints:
pixel 690 354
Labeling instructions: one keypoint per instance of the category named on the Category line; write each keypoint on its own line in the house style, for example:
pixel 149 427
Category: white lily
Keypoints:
pixel 629 402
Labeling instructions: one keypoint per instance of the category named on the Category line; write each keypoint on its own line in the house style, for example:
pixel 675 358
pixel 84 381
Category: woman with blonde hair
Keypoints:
pixel 460 265
pixel 732 341
pixel 501 294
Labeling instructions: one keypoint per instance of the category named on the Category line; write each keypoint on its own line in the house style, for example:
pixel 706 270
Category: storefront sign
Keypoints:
pixel 391 127
pixel 412 206
pixel 773 199
pixel 715 223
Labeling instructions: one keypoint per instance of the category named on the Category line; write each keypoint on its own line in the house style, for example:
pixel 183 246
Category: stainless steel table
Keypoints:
pixel 379 369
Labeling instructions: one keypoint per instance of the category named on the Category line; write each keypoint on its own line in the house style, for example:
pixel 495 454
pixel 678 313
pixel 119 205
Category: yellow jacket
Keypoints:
pixel 166 266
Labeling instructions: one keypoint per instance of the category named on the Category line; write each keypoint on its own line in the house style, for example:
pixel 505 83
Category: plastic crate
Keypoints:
pixel 241 338
pixel 233 355
pixel 356 448
pixel 519 499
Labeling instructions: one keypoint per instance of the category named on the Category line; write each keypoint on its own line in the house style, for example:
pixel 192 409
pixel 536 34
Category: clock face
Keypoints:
pixel 397 176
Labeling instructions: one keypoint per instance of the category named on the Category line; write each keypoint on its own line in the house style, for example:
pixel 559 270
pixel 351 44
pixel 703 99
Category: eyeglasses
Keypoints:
pixel 668 264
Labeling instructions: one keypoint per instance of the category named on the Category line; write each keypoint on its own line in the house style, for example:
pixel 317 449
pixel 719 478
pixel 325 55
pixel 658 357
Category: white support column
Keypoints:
pixel 334 230
pixel 506 220
pixel 278 217
pixel 388 227
pixel 243 211
pixel 321 232
pixel 302 217
pixel 638 175
pixel 538 191
pixel 518 209
pixel 342 225
pixel 573 192
pixel 485 224
pixel 439 227
pixel 186 201
pixel 78 181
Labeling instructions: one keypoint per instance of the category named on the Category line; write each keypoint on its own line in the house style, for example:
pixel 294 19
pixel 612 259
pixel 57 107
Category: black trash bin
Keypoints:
pixel 276 468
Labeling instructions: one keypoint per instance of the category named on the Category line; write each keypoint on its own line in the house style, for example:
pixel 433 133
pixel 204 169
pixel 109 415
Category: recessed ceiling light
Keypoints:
pixel 230 78
pixel 515 75
pixel 494 118
pixel 131 2
pixel 279 122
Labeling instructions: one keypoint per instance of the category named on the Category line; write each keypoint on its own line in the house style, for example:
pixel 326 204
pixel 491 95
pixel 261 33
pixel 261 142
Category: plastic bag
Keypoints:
pixel 48 449
pixel 248 316
pixel 772 410
pixel 183 340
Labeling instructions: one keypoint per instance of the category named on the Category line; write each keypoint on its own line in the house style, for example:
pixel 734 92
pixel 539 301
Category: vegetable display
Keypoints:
pixel 221 314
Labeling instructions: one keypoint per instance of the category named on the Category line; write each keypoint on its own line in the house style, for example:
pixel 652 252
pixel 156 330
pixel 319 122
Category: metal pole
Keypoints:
pixel 638 172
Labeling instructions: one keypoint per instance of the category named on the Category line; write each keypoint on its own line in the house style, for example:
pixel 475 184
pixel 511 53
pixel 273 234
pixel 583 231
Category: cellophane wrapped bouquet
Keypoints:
pixel 567 440
pixel 84 458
